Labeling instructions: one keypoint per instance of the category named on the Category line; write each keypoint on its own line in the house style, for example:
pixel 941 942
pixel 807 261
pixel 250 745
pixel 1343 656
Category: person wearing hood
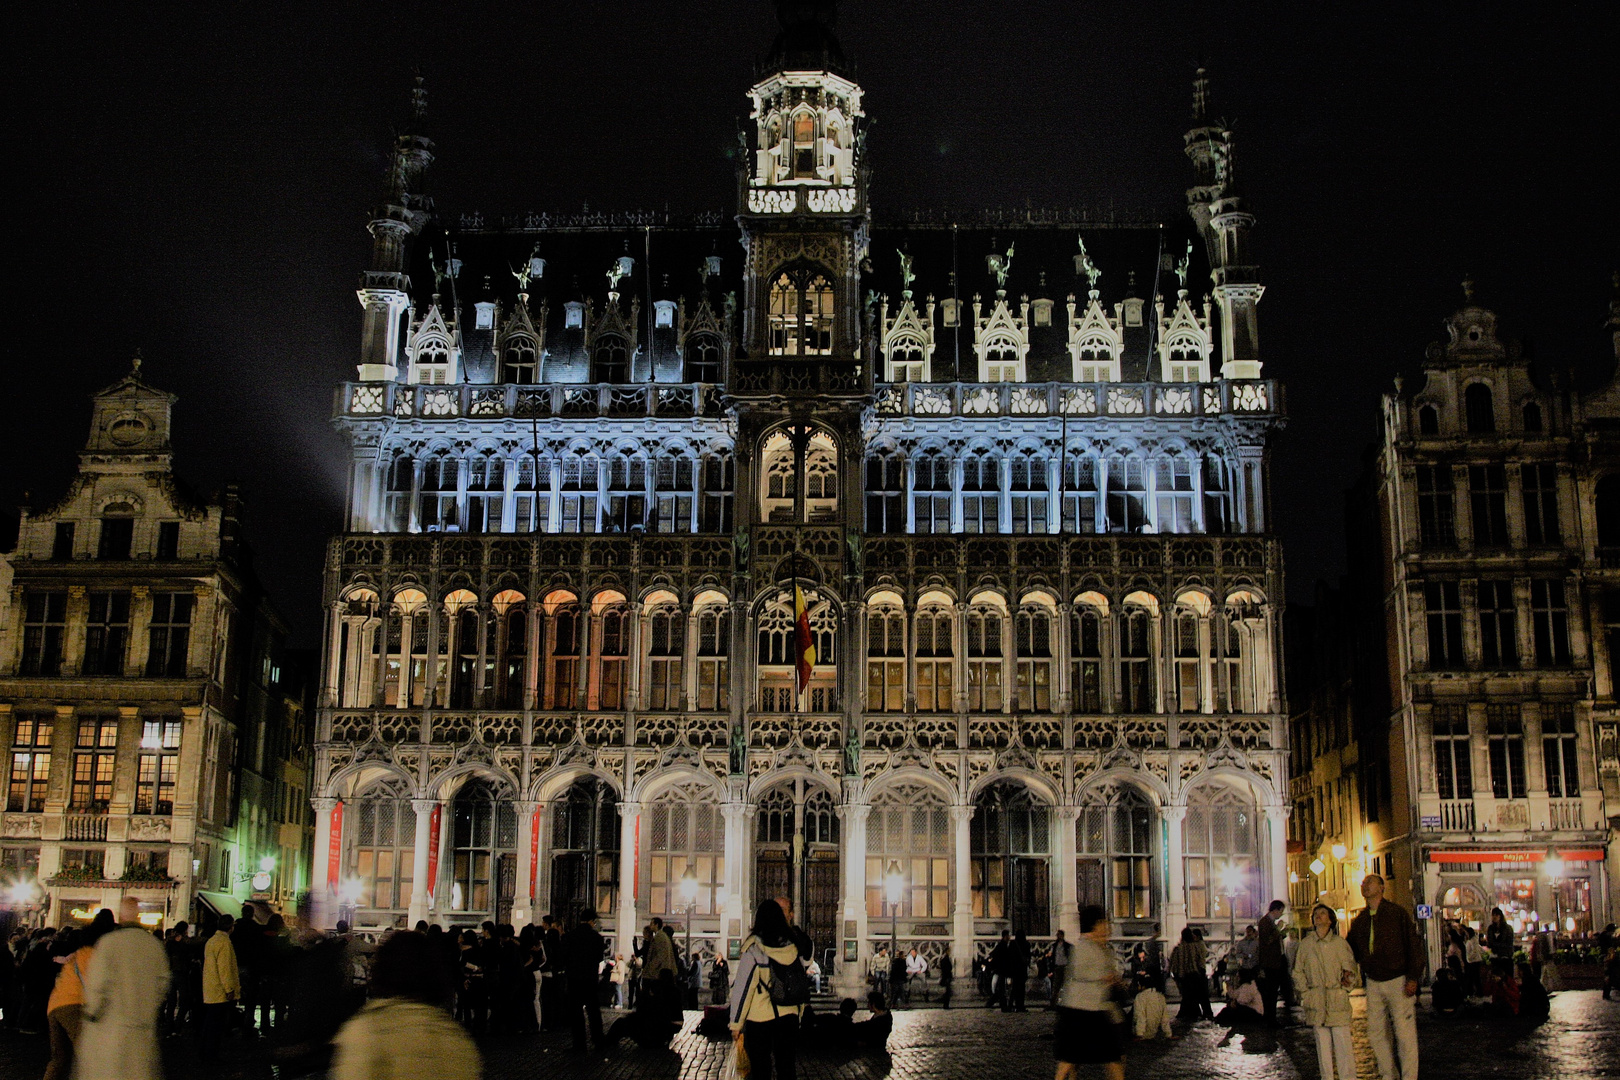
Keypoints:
pixel 404 1032
pixel 768 1030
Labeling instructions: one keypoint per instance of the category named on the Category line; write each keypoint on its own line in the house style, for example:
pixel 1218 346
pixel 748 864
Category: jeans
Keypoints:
pixel 619 992
pixel 216 1020
pixel 1391 1012
pixel 1333 1051
pixel 772 1047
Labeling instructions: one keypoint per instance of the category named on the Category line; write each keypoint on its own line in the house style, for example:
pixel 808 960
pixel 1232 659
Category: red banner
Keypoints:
pixel 334 846
pixel 534 854
pixel 637 877
pixel 433 848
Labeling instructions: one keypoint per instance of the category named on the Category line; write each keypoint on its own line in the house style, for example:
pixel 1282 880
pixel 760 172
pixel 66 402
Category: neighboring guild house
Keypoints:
pixel 140 684
pixel 1488 760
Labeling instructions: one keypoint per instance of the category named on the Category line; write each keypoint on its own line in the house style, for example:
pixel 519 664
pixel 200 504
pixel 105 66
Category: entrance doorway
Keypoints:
pixel 796 855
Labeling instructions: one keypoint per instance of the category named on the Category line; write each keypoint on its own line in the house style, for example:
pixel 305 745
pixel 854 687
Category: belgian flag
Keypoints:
pixel 804 646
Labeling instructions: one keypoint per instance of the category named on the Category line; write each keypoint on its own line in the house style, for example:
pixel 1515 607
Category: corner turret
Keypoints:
pixel 385 288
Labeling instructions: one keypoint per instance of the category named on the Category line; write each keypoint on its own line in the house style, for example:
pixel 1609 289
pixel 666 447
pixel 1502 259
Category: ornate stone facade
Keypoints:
pixel 1039 576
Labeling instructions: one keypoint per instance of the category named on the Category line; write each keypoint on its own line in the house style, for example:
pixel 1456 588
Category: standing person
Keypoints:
pixel 1499 939
pixel 248 940
pixel 64 1012
pixel 1000 964
pixel 404 1033
pixel 1058 961
pixel 767 1027
pixel 1018 972
pixel 899 987
pixel 878 972
pixel 916 973
pixel 1385 942
pixel 221 988
pixel 582 953
pixel 947 976
pixel 621 974
pixel 1324 972
pixel 1188 961
pixel 1088 1022
pixel 123 994
pixel 719 981
pixel 1270 964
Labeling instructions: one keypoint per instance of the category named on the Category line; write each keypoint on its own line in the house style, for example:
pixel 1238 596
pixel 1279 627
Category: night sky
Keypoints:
pixel 194 181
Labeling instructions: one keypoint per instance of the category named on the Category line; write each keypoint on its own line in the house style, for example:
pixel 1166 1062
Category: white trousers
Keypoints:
pixel 1334 1055
pixel 1390 1013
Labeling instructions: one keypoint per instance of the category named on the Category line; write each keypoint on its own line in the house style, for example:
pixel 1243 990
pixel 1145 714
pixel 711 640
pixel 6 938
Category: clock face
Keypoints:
pixel 128 429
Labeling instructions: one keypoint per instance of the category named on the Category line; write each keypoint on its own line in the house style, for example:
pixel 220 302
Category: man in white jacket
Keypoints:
pixel 123 992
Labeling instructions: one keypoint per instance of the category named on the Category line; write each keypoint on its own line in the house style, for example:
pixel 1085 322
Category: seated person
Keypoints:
pixel 873 1033
pixel 1243 1005
pixel 836 1032
pixel 1534 1001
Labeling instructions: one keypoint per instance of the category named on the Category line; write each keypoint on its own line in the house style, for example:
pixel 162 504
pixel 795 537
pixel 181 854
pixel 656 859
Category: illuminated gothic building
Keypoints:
pixel 1018 463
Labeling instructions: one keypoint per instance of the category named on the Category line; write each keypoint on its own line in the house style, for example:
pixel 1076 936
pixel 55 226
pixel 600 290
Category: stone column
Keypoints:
pixel 320 879
pixel 962 902
pixel 1064 883
pixel 331 693
pixel 1175 904
pixel 421 888
pixel 734 912
pixel 629 837
pixel 1276 851
pixel 523 898
pixel 1063 698
pixel 849 979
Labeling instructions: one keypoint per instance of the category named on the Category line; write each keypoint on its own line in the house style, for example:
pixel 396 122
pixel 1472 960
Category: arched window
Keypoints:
pixel 613 656
pixel 1114 838
pixel 486 484
pixel 1127 495
pixel 1173 491
pixel 781 479
pixel 885 492
pixel 1135 659
pixel 518 361
pixel 675 479
pixel 885 659
pixel 804 146
pixel 626 506
pixel 1217 494
pixel 440 479
pixel 1085 646
pixel 567 625
pixel 610 360
pixel 936 653
pixel 1029 495
pixel 908 832
pixel 703 358
pixel 981 492
pixel 464 658
pixel 484 850
pixel 801 315
pixel 715 512
pixel 1221 849
pixel 1033 649
pixel 381 846
pixel 984 667
pixel 775 819
pixel 1010 843
pixel 508 649
pixel 1532 417
pixel 1608 511
pixel 585 847
pixel 401 481
pixel 1481 413
pixel 578 493
pixel 666 655
pixel 820 819
pixel 688 840
pixel 1428 420
pixel 931 492
pixel 820 478
pixel 713 655
pixel 1079 493
pixel 1189 659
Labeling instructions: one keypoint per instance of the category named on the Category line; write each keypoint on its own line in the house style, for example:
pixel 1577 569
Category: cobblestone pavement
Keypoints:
pixel 1581 1040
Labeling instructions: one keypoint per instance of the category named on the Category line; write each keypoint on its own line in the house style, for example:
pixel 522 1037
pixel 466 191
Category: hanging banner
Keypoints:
pixel 636 877
pixel 433 849
pixel 334 845
pixel 534 854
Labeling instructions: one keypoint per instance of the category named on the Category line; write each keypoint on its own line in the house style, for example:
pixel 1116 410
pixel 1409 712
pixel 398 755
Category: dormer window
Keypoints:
pixel 485 317
pixel 611 359
pixel 1133 312
pixel 433 364
pixel 573 315
pixel 1532 417
pixel 804 148
pixel 664 314
pixel 1478 409
pixel 519 362
pixel 950 311
pixel 1043 312
pixel 1428 420
pixel 1001 362
pixel 703 359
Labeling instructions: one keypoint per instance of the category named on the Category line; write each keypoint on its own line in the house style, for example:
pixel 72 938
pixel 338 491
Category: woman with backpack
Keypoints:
pixel 770 991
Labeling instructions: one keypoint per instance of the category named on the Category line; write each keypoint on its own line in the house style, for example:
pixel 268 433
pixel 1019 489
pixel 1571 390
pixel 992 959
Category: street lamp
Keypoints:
pixel 1317 866
pixel 1340 851
pixel 894 887
pixel 689 891
pixel 1231 876
pixel 1555 871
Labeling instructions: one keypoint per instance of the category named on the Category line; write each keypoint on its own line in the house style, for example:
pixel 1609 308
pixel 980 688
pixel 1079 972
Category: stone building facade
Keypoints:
pixel 140 687
pixel 1016 463
pixel 1493 513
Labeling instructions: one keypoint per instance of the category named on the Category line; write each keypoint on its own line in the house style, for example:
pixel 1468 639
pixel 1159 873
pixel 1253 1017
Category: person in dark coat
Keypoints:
pixel 898 988
pixel 1271 964
pixel 582 953
pixel 1000 961
pixel 1018 971
pixel 947 976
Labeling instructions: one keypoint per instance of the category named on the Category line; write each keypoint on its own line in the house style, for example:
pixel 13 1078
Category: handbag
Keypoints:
pixel 744 1066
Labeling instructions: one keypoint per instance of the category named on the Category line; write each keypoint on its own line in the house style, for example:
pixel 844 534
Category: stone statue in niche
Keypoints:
pixel 739 750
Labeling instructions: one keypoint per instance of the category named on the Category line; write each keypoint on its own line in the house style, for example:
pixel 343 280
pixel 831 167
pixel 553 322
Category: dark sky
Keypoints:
pixel 194 180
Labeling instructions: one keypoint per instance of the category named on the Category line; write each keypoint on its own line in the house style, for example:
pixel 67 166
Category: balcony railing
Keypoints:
pixel 1457 815
pixel 677 400
pixel 1565 814
pixel 85 826
pixel 1247 397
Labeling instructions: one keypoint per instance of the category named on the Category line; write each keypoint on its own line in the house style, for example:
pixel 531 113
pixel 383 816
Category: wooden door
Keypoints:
pixel 773 876
pixel 1028 907
pixel 570 883
pixel 820 917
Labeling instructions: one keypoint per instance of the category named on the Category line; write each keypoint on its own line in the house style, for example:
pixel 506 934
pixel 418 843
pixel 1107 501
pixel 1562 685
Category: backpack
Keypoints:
pixel 790 983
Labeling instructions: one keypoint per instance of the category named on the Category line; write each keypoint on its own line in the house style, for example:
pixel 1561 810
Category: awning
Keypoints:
pixel 223 903
pixel 1502 855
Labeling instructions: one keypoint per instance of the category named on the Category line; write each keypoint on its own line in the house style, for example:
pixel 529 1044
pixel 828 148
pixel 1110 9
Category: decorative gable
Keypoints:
pixel 1095 342
pixel 1001 339
pixel 1185 343
pixel 908 341
pixel 432 353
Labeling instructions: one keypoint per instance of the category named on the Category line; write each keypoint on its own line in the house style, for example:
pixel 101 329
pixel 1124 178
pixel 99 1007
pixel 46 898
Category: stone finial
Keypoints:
pixel 135 364
pixel 1200 95
pixel 1468 288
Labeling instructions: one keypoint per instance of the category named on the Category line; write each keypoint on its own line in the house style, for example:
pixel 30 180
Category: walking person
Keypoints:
pixel 1090 1028
pixel 582 953
pixel 1385 942
pixel 64 1011
pixel 1324 972
pixel 124 991
pixel 404 1032
pixel 1188 964
pixel 764 1014
pixel 1058 961
pixel 221 989
pixel 1270 964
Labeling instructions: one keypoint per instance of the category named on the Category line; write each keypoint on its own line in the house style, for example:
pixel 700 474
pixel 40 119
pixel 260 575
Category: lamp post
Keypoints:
pixel 894 887
pixel 689 891
pixel 1555 871
pixel 1231 882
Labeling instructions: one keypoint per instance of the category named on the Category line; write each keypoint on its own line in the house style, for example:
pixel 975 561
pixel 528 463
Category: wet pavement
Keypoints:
pixel 1580 1040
